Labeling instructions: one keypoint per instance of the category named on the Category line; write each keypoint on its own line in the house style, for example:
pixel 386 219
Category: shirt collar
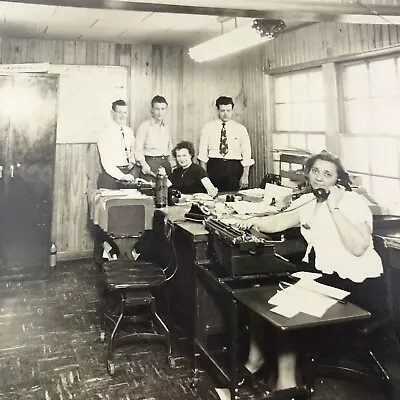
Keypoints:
pixel 226 123
pixel 154 122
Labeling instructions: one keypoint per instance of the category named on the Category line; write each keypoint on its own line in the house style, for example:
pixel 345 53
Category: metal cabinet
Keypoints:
pixel 28 122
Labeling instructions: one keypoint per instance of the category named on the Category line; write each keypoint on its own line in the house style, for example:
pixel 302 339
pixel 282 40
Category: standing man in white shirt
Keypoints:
pixel 225 149
pixel 116 148
pixel 153 141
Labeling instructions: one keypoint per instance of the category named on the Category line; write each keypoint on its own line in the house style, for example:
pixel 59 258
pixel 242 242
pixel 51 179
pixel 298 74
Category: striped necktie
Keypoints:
pixel 125 148
pixel 223 142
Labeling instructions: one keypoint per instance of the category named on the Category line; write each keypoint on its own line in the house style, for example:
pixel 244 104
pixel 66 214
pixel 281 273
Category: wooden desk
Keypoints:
pixel 231 295
pixel 191 243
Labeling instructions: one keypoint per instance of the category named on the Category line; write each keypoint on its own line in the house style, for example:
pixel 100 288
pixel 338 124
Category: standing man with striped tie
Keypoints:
pixel 225 149
pixel 116 148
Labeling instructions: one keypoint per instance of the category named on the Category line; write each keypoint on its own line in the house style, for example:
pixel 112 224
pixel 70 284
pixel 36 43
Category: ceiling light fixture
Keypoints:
pixel 260 31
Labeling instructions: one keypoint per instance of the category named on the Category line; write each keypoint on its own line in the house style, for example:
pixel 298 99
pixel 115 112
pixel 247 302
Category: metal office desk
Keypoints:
pixel 233 293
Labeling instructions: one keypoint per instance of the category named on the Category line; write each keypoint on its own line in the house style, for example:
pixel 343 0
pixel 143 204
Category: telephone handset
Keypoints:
pixel 321 194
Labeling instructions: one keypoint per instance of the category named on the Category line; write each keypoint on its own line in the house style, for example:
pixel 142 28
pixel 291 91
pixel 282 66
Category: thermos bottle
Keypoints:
pixel 161 188
pixel 53 254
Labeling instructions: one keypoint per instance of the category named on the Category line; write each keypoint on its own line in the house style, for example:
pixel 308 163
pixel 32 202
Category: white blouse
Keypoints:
pixel 320 232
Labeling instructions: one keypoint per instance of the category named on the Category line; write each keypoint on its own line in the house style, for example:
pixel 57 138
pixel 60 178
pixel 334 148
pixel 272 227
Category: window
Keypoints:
pixel 370 142
pixel 299 112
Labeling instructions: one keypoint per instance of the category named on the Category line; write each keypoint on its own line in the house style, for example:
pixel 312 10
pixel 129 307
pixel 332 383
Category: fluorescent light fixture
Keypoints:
pixel 236 40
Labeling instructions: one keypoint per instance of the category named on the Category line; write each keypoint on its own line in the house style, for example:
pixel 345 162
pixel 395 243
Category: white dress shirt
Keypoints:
pixel 112 144
pixel 320 232
pixel 237 138
pixel 152 139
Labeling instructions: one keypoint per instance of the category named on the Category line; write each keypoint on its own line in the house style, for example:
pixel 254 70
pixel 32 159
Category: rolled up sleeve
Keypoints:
pixel 139 143
pixel 203 146
pixel 245 148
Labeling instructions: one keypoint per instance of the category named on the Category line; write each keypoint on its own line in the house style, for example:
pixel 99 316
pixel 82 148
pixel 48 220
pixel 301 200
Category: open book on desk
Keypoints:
pixel 305 296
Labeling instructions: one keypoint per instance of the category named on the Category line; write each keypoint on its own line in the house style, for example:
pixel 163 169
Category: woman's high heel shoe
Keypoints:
pixel 249 379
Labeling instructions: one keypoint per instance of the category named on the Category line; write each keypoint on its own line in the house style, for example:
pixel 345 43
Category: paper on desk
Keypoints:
pixel 285 311
pixel 276 192
pixel 247 207
pixel 306 275
pixel 299 298
pixel 323 289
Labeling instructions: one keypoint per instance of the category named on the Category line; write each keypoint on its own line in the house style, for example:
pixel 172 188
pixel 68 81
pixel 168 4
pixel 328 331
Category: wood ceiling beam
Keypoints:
pixel 280 9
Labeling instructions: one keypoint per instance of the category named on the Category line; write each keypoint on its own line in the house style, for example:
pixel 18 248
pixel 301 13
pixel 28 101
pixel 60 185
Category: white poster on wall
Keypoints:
pixel 85 97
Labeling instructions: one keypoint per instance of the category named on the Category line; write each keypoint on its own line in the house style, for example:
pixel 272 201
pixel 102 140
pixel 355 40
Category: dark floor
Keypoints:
pixel 50 349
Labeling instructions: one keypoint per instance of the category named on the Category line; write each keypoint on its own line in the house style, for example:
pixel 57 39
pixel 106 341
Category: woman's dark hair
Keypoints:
pixel 184 145
pixel 223 100
pixel 324 155
pixel 116 103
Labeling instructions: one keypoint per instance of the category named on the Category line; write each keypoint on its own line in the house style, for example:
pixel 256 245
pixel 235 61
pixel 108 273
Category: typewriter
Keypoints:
pixel 242 252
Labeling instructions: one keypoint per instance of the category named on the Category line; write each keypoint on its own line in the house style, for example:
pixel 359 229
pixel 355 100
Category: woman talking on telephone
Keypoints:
pixel 337 225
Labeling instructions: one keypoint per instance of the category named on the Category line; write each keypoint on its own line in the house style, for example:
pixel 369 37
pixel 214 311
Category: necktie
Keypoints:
pixel 223 142
pixel 125 148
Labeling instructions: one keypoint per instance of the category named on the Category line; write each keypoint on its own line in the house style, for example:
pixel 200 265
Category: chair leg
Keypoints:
pixel 388 390
pixel 166 332
pixel 110 360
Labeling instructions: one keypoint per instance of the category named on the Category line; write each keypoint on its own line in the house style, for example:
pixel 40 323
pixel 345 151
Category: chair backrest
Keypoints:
pixel 126 220
pixel 390 256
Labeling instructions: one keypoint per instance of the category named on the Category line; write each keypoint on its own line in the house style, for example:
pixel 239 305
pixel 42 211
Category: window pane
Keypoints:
pixel 358 116
pixel 282 89
pixel 280 140
pixel 356 83
pixel 384 158
pixel 299 86
pixel 317 112
pixel 298 141
pixel 386 192
pixel 301 118
pixel 383 77
pixel 316 143
pixel 355 154
pixel 386 115
pixel 283 117
pixel 316 85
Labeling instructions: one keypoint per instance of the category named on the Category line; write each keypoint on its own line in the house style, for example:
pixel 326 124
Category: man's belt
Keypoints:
pixel 158 157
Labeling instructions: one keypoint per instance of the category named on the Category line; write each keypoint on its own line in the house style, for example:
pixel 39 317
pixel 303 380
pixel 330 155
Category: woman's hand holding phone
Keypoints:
pixel 335 195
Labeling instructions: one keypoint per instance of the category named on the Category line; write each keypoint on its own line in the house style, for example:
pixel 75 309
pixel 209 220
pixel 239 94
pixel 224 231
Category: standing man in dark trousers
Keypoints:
pixel 225 149
pixel 153 141
pixel 116 148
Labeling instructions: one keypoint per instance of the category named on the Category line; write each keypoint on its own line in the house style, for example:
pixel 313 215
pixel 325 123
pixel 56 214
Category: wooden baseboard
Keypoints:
pixel 74 255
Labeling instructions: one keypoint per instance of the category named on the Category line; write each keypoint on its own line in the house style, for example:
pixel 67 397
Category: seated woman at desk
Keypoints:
pixel 337 225
pixel 189 177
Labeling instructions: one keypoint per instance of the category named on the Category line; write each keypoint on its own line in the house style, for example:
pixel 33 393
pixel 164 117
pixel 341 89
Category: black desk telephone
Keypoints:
pixel 198 212
pixel 321 194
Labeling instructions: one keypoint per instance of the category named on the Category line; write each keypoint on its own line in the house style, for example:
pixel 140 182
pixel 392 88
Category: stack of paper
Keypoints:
pixel 306 296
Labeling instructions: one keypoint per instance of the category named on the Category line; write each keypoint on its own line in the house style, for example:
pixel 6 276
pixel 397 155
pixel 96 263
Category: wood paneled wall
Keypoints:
pixel 327 41
pixel 190 88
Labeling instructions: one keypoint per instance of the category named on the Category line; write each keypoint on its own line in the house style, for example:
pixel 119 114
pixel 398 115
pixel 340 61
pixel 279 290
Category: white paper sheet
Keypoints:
pixel 285 311
pixel 306 296
pixel 277 192
pixel 306 275
pixel 246 207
